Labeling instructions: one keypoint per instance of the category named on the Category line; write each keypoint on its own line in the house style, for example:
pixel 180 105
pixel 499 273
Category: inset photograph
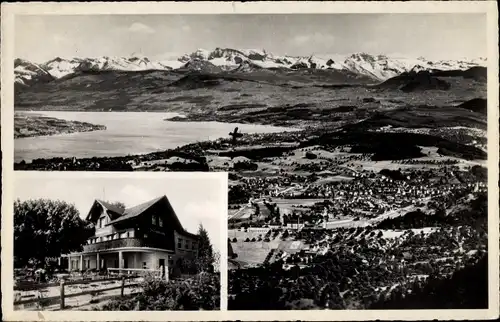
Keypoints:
pixel 112 242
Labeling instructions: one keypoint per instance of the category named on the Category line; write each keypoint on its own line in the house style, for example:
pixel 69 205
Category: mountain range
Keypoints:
pixel 376 67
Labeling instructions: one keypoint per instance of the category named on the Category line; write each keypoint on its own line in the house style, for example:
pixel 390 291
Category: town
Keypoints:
pixel 388 228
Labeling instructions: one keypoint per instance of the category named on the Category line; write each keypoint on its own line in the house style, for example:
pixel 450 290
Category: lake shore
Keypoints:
pixel 189 157
pixel 129 135
pixel 36 125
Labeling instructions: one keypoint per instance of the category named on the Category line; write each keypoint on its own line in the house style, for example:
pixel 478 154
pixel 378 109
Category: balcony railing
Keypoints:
pixel 118 243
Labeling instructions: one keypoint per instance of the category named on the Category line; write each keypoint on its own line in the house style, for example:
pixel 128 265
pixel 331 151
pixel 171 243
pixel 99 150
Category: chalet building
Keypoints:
pixel 147 236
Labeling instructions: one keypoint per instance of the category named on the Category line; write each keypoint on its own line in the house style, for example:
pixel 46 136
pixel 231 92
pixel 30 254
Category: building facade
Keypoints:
pixel 147 236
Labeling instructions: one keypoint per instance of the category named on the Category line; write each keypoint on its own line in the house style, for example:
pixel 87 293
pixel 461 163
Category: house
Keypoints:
pixel 147 236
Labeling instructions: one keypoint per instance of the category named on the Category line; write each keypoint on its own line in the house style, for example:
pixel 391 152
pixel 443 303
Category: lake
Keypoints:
pixel 127 133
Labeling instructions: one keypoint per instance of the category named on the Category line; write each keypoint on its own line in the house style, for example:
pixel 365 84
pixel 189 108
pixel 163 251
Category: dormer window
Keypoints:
pixel 153 220
pixel 160 221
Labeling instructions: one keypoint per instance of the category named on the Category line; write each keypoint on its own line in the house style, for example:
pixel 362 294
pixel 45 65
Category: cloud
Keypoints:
pixel 313 38
pixel 141 28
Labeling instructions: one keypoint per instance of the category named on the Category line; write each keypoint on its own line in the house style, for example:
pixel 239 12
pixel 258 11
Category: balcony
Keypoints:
pixel 118 243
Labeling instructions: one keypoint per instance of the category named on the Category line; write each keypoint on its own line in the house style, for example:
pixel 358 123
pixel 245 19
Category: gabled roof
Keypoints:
pixel 112 211
pixel 116 212
pixel 136 210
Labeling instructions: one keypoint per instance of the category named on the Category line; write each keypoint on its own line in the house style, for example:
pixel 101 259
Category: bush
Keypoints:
pixel 310 155
pixel 199 293
pixel 245 165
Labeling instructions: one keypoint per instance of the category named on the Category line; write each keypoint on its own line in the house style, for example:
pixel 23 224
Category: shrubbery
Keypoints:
pixel 202 292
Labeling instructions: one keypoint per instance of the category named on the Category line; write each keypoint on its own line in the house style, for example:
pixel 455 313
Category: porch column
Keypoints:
pixel 120 259
pixel 69 263
pixel 81 262
pixel 98 262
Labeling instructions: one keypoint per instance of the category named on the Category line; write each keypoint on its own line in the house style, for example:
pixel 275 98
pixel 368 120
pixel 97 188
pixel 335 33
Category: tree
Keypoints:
pixel 205 250
pixel 117 204
pixel 45 228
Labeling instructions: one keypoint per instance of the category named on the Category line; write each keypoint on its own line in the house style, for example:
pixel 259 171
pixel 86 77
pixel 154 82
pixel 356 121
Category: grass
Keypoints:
pixel 252 252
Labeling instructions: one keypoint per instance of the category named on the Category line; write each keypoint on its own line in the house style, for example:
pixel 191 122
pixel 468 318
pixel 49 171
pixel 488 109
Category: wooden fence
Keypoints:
pixel 122 275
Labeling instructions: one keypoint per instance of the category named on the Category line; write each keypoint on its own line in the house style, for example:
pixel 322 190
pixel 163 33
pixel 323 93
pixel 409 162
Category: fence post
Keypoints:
pixel 62 294
pixel 123 286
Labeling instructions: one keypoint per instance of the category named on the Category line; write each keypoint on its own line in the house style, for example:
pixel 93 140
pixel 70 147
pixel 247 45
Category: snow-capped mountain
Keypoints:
pixel 201 65
pixel 377 67
pixel 317 63
pixel 134 63
pixel 27 73
pixel 59 67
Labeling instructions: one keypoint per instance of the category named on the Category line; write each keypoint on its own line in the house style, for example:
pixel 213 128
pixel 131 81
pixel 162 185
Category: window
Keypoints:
pixel 160 221
pixel 153 220
pixel 193 246
pixel 145 235
pixel 187 244
pixel 179 243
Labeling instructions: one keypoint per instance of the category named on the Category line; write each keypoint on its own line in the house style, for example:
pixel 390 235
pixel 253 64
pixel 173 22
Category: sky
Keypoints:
pixel 195 200
pixel 40 38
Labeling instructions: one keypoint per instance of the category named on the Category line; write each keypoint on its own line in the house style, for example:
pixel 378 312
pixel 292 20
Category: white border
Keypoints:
pixel 9 10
